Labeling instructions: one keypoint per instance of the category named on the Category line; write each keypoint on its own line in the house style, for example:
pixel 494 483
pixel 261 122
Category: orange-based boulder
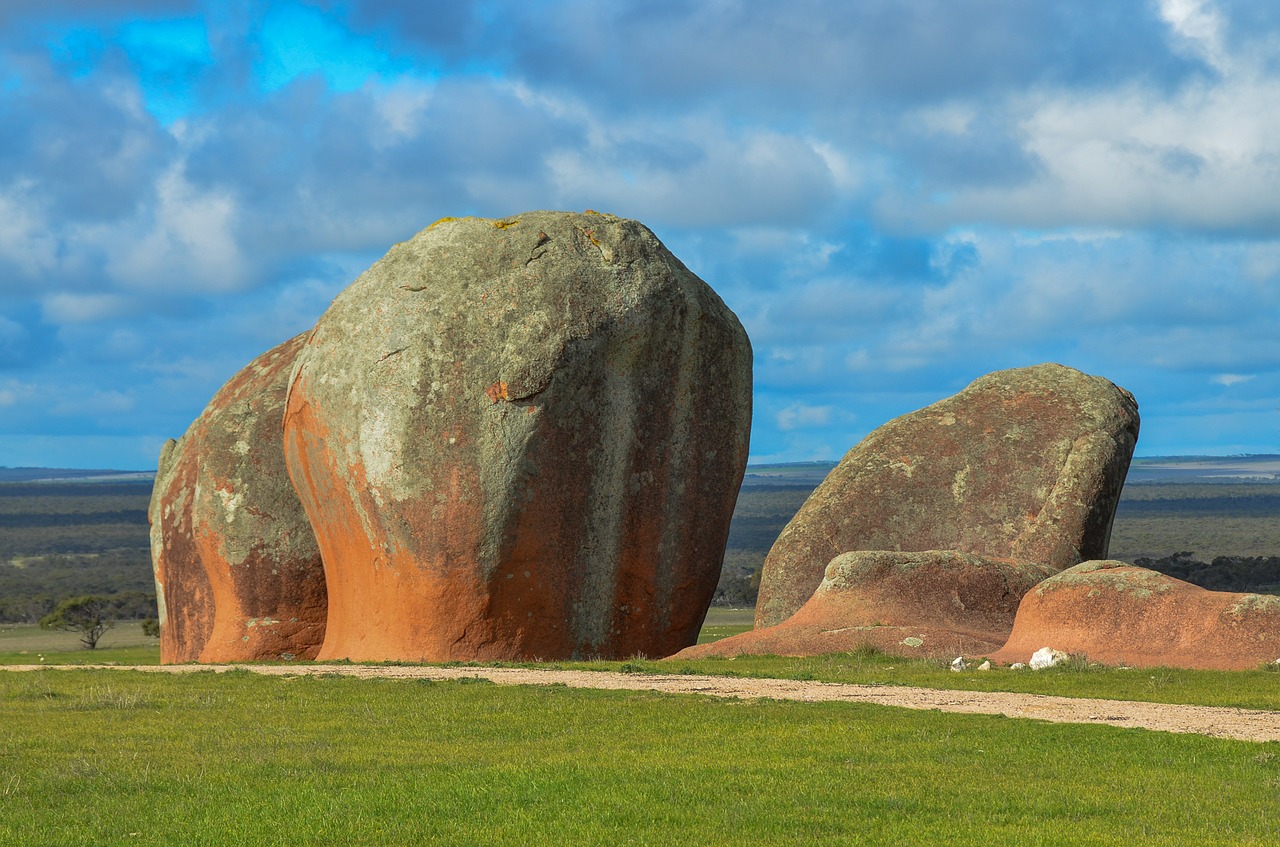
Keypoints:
pixel 932 603
pixel 521 438
pixel 1024 464
pixel 1121 614
pixel 238 573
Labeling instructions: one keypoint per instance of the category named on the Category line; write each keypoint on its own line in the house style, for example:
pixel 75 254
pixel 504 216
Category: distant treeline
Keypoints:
pixel 761 513
pixel 32 588
pixel 1224 573
pixel 60 539
pixel 8 474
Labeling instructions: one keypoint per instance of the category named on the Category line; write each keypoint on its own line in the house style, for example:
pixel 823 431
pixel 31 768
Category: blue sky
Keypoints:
pixel 895 198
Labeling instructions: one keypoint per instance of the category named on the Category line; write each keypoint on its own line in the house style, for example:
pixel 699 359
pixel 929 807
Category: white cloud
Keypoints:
pixel 1204 155
pixel 801 416
pixel 1199 26
pixel 1262 262
pixel 951 118
pixel 26 238
pixel 67 307
pixel 699 173
pixel 1205 158
pixel 12 334
pixel 190 243
pixel 1232 379
pixel 14 393
pixel 402 107
pixel 94 403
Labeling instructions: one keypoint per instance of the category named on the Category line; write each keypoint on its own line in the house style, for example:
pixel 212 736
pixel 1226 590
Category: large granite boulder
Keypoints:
pixel 1121 614
pixel 932 603
pixel 1024 464
pixel 521 438
pixel 238 573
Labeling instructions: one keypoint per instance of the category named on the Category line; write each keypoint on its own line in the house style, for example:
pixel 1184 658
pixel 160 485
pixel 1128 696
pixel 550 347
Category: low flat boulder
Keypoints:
pixel 521 438
pixel 1121 614
pixel 931 603
pixel 238 573
pixel 1024 464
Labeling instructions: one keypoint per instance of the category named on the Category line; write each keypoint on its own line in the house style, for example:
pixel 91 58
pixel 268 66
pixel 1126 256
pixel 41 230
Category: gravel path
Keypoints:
pixel 1216 721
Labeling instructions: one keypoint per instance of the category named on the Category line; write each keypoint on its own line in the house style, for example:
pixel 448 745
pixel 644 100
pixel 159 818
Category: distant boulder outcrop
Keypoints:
pixel 1024 465
pixel 238 572
pixel 521 438
pixel 1121 614
pixel 936 603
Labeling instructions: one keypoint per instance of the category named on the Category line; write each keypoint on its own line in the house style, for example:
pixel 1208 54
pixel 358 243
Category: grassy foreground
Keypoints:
pixel 120 757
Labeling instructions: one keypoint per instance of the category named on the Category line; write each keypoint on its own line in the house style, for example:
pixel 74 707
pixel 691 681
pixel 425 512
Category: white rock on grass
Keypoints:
pixel 958 663
pixel 1046 657
pixel 985 666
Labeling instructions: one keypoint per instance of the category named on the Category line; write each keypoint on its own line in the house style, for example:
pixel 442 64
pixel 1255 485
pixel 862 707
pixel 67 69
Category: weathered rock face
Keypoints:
pixel 238 572
pixel 1024 464
pixel 930 603
pixel 1121 614
pixel 521 438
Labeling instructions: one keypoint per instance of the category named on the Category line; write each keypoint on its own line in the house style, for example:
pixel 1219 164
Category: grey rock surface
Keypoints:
pixel 1025 464
pixel 521 438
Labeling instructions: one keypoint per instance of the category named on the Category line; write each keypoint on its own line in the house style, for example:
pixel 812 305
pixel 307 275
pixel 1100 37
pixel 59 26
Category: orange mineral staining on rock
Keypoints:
pixel 936 603
pixel 1121 614
pixel 238 573
pixel 497 391
pixel 587 514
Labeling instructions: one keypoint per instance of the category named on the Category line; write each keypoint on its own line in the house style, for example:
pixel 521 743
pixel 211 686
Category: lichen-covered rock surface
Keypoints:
pixel 238 573
pixel 1121 614
pixel 1024 464
pixel 521 438
pixel 935 603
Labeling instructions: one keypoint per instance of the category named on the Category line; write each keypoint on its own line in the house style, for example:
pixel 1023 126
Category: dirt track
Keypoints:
pixel 1241 724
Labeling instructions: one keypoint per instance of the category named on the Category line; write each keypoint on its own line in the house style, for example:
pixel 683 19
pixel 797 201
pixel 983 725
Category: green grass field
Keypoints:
pixel 722 622
pixel 26 644
pixel 120 757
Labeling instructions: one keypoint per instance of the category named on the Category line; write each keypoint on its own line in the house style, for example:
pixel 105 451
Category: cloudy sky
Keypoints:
pixel 895 197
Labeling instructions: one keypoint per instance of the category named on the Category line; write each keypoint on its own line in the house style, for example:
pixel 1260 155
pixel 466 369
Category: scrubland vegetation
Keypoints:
pixel 59 540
